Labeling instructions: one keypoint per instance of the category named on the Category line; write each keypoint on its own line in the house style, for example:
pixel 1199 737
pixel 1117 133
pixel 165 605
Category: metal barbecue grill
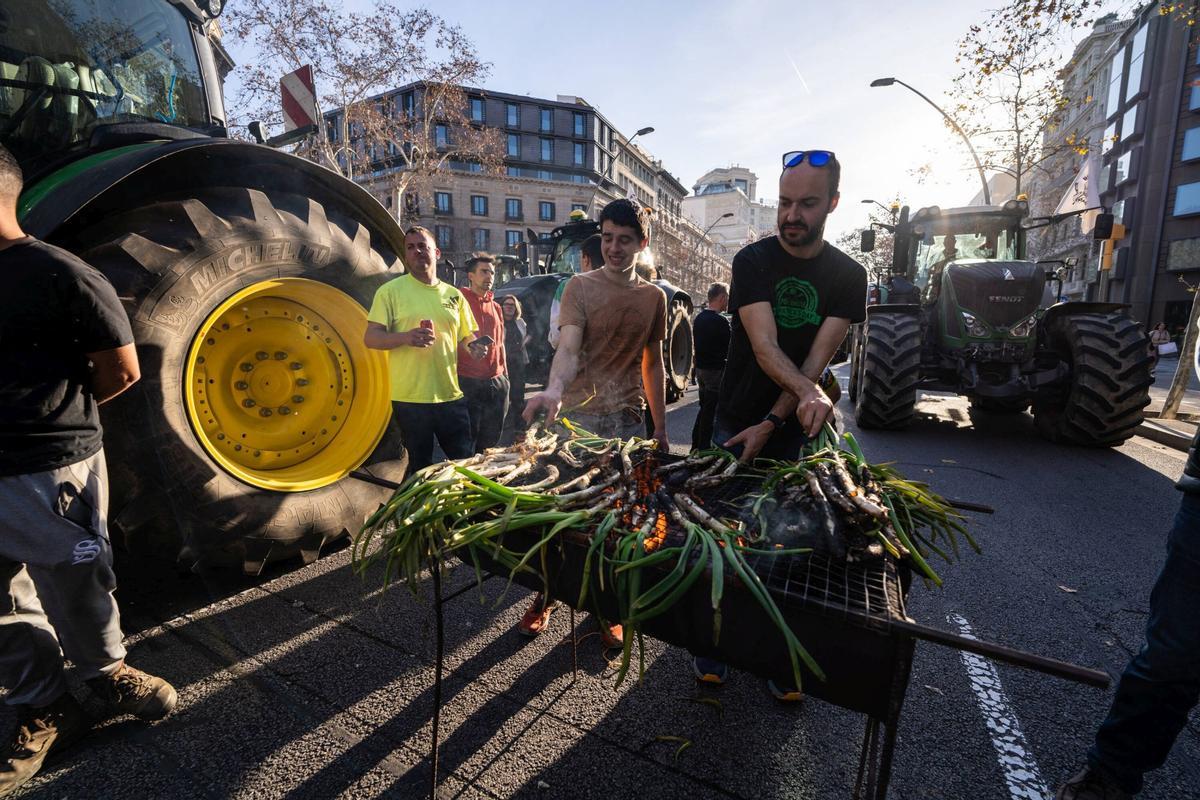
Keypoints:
pixel 849 615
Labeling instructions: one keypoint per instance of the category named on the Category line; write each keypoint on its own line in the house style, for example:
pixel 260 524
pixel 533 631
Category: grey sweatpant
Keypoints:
pixel 56 581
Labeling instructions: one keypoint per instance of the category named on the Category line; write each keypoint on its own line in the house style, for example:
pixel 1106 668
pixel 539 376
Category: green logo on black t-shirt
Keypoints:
pixel 795 303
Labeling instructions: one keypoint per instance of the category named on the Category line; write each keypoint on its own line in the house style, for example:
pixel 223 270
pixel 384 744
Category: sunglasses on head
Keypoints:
pixel 816 158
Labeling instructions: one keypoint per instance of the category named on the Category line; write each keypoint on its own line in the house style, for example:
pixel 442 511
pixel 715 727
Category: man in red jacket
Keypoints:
pixel 485 381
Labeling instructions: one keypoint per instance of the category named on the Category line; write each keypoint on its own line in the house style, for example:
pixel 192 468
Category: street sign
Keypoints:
pixel 299 99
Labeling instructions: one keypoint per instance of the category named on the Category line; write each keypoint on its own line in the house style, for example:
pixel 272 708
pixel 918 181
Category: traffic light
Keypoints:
pixel 1109 246
pixel 1103 228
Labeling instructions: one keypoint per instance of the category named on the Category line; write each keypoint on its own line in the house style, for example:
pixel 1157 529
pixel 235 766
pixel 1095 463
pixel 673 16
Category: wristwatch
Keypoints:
pixel 774 420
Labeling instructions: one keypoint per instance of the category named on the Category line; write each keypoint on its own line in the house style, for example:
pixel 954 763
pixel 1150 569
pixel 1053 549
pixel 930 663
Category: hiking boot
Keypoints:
pixel 1091 784
pixel 131 691
pixel 537 616
pixel 41 732
pixel 784 694
pixel 709 670
pixel 611 636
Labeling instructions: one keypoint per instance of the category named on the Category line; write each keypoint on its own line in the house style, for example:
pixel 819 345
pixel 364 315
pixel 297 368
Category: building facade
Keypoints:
pixel 559 156
pixel 1150 176
pixel 1066 179
pixel 725 203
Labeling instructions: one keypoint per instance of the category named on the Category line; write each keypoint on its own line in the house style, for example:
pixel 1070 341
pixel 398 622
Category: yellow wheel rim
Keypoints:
pixel 280 389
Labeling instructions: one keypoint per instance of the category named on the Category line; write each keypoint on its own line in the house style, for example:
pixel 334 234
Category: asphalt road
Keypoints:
pixel 313 683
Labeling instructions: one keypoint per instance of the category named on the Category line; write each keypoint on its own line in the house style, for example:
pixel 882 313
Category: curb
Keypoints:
pixel 1164 435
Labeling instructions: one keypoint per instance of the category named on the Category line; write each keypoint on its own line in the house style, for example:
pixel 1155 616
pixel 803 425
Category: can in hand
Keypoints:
pixel 427 324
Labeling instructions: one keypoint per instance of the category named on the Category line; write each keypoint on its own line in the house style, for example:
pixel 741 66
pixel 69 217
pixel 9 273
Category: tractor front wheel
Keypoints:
pixel 1101 403
pixel 890 369
pixel 258 395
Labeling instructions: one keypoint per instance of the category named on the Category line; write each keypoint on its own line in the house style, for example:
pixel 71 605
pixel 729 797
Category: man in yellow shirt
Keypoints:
pixel 422 323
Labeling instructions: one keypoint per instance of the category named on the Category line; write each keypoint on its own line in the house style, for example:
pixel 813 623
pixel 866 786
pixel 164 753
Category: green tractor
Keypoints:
pixel 537 287
pixel 244 270
pixel 963 311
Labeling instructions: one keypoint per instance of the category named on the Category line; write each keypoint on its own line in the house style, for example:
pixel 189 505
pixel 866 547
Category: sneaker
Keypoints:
pixel 537 616
pixel 41 732
pixel 709 670
pixel 785 694
pixel 611 636
pixel 1091 784
pixel 131 691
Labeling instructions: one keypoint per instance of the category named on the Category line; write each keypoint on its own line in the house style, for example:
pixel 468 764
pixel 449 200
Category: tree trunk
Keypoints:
pixel 1183 372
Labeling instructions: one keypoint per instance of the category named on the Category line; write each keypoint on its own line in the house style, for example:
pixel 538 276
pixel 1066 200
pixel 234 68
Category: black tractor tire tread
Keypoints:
pixel 677 382
pixel 891 355
pixel 1109 384
pixel 170 262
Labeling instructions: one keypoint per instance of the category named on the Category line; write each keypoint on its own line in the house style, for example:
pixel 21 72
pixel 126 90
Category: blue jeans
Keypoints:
pixel 421 422
pixel 1162 683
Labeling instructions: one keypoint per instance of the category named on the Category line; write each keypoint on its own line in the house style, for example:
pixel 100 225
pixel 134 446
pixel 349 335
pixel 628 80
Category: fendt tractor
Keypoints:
pixel 563 259
pixel 244 270
pixel 964 311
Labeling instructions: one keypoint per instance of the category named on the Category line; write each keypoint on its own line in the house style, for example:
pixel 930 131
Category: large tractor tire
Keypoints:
pixel 257 394
pixel 856 358
pixel 677 350
pixel 1101 406
pixel 890 370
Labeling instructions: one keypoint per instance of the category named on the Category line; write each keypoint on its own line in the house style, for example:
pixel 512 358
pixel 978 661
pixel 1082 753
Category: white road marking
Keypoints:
pixel 1020 770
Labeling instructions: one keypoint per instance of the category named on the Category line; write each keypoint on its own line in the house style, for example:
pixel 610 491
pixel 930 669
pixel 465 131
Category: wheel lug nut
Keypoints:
pixel 265 412
pixel 297 398
pixel 248 403
pixel 261 355
pixel 244 367
pixel 280 355
pixel 296 365
pixel 241 386
pixel 284 410
pixel 302 381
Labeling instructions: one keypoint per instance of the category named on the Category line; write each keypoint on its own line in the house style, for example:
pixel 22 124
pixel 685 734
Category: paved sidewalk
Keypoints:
pixel 1172 433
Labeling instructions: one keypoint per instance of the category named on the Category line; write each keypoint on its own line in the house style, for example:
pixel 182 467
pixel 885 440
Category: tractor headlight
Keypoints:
pixel 975 327
pixel 1024 328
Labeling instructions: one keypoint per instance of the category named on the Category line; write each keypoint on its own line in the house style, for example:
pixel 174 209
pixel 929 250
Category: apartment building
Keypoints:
pixel 1150 176
pixel 1067 179
pixel 559 156
pixel 725 203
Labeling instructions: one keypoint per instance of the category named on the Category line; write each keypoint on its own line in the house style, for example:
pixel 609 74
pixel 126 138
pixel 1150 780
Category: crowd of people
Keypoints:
pixel 457 366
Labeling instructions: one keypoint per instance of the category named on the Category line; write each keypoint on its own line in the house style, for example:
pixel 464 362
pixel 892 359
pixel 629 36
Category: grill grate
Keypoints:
pixel 869 592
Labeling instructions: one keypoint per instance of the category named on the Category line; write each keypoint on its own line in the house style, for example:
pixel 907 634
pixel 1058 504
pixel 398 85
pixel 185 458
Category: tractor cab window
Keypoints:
pixel 567 256
pixel 934 247
pixel 68 66
pixel 508 269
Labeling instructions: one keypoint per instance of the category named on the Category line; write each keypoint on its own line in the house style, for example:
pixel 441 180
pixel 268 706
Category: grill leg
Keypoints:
pixel 864 755
pixel 902 669
pixel 574 647
pixel 436 569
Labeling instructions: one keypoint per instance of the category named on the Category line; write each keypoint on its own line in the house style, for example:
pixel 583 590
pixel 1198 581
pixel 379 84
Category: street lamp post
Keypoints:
pixel 704 235
pixel 628 142
pixel 891 210
pixel 987 195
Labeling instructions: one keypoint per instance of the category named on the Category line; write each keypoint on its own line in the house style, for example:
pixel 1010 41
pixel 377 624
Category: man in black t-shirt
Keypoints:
pixel 792 300
pixel 65 347
pixel 710 333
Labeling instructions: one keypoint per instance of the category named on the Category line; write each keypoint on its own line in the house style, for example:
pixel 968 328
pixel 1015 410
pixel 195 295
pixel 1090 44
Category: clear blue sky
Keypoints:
pixel 740 82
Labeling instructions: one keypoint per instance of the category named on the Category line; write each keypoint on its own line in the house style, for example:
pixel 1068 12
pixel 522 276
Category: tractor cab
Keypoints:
pixel 93 68
pixel 566 244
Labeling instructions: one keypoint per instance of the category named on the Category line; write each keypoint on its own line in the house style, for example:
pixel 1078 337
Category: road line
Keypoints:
pixel 1020 770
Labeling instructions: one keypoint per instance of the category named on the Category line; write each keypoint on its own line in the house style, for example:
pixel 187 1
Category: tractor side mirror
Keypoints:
pixel 256 130
pixel 867 244
pixel 1103 228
